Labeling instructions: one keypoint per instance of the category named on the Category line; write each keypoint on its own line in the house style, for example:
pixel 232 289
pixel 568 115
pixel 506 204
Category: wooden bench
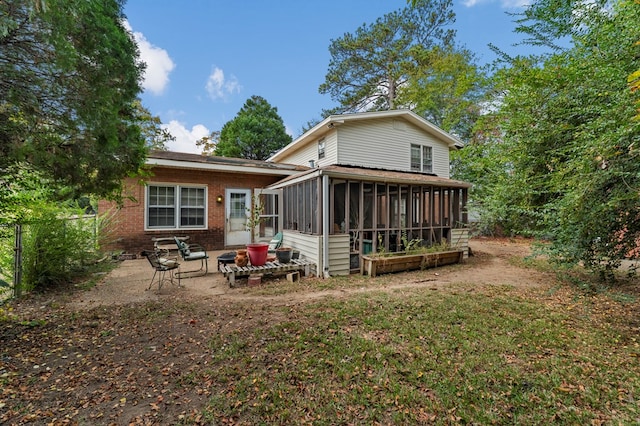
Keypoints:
pixel 231 272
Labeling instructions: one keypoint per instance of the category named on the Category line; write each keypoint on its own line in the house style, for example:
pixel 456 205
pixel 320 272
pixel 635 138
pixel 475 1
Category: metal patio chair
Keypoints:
pixel 162 265
pixel 192 252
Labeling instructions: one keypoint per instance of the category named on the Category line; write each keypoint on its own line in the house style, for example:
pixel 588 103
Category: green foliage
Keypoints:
pixel 445 87
pixel 255 133
pixel 154 134
pixel 559 154
pixel 368 68
pixel 57 241
pixel 208 143
pixel 407 59
pixel 69 77
pixel 412 245
pixel 23 191
pixel 57 248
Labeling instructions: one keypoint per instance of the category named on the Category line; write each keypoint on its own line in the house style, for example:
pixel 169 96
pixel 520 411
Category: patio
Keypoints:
pixel 128 284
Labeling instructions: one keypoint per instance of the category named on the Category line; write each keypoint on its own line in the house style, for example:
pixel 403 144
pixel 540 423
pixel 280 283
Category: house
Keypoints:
pixel 351 185
pixel 205 198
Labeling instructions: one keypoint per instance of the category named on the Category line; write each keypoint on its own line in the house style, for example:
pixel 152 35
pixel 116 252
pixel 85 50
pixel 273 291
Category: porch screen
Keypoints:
pixel 301 207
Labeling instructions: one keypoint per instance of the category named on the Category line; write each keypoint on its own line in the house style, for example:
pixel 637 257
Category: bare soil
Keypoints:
pixel 121 354
pixel 491 263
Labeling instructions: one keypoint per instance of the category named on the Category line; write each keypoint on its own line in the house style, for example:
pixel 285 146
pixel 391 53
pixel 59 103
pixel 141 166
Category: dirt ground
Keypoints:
pixel 489 264
pixel 121 354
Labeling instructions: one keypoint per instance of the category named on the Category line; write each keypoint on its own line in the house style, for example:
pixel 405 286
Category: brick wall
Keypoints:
pixel 125 224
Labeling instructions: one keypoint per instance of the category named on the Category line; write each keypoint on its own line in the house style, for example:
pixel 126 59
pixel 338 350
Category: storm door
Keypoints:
pixel 237 208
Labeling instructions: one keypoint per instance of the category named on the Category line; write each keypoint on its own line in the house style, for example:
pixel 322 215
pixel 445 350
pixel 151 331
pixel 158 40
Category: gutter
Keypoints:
pixel 233 168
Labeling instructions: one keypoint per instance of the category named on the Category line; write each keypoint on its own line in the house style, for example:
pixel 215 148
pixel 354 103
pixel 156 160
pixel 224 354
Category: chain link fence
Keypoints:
pixel 41 253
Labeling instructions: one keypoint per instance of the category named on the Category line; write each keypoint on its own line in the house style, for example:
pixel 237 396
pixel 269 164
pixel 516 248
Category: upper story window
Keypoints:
pixel 421 158
pixel 321 148
pixel 176 206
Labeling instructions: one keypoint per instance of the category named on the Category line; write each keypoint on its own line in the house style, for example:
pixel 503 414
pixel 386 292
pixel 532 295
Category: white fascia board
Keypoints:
pixel 219 167
pixel 305 176
pixel 313 133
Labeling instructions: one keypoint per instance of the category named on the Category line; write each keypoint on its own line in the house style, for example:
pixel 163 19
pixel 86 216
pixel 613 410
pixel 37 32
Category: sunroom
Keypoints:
pixel 335 214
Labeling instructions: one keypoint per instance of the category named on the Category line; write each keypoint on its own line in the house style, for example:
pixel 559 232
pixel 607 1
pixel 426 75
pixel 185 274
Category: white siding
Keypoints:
pixel 309 246
pixel 339 254
pixel 310 152
pixel 385 143
pixel 460 239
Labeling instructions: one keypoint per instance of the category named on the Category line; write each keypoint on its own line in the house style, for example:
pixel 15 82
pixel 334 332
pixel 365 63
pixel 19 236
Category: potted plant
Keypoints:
pixel 257 251
pixel 283 254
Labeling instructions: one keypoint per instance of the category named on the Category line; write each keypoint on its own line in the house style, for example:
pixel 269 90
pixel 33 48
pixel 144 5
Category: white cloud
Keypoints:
pixel 159 63
pixel 218 87
pixel 185 138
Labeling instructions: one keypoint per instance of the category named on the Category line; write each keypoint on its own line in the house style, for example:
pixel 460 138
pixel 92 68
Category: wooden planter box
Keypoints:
pixel 374 265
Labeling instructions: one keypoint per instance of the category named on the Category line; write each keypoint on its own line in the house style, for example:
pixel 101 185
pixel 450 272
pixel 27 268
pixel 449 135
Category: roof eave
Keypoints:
pixel 178 164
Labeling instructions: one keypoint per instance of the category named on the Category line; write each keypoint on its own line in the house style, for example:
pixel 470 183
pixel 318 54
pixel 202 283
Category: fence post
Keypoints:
pixel 17 262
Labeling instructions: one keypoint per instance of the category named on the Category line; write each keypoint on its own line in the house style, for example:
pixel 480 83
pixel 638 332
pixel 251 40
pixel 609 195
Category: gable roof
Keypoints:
pixel 182 160
pixel 332 121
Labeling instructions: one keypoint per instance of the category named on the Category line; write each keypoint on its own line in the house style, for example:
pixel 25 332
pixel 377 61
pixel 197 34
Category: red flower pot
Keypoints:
pixel 258 253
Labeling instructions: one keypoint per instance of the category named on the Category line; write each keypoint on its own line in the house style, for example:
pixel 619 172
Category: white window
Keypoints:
pixel 421 158
pixel 321 148
pixel 175 206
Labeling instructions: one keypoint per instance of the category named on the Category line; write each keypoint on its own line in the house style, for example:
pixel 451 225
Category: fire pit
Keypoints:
pixel 226 258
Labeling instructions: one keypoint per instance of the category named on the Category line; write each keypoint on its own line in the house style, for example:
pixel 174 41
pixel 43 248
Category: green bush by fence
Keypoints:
pixel 46 252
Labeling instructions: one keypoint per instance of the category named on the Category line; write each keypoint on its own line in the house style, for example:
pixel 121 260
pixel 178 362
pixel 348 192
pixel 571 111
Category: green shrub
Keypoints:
pixel 57 248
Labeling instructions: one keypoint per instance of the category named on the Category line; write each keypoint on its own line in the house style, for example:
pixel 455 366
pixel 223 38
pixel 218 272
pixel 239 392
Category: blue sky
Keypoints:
pixel 205 58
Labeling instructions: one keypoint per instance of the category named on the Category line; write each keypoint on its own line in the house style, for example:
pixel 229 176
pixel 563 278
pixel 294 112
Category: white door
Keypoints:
pixel 237 208
pixel 270 218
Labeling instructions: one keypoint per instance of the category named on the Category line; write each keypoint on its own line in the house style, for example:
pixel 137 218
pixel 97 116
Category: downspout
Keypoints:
pixel 325 226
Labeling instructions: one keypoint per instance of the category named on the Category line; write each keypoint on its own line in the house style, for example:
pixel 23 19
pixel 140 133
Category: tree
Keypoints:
pixel 445 87
pixel 208 143
pixel 155 136
pixel 256 132
pixel 407 59
pixel 69 76
pixel 368 68
pixel 568 141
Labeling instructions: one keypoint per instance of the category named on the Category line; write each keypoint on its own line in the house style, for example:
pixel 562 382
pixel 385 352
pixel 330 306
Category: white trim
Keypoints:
pixel 422 157
pixel 176 206
pixel 219 167
pixel 260 191
pixel 303 177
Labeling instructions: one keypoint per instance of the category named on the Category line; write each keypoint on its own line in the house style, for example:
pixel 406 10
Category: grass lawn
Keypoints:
pixel 431 357
pixel 460 354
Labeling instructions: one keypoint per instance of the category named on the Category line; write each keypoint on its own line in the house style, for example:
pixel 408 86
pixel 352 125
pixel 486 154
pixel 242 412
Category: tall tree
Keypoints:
pixel 69 76
pixel 368 68
pixel 407 59
pixel 445 87
pixel 256 132
pixel 568 138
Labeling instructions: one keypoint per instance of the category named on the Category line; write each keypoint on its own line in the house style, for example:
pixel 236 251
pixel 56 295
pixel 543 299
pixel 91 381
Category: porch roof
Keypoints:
pixel 372 175
pixel 182 160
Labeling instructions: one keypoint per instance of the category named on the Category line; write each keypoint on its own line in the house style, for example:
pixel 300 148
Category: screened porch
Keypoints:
pixel 374 210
